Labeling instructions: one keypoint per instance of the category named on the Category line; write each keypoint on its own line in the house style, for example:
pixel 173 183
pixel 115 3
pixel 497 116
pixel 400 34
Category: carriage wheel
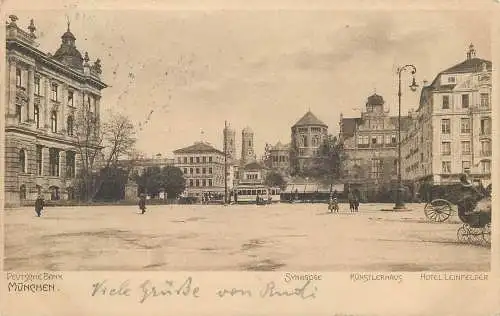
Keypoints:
pixel 487 234
pixel 463 234
pixel 438 210
pixel 476 236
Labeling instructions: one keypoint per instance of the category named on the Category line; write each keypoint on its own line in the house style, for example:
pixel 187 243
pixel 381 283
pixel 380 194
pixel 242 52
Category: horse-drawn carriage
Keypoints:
pixel 473 209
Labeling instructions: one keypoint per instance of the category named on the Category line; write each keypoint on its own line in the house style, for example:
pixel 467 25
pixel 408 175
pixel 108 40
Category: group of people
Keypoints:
pixel 353 198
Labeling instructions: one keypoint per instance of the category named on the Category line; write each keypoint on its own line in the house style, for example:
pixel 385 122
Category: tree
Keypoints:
pixel 327 166
pixel 275 179
pixel 100 148
pixel 267 156
pixel 154 180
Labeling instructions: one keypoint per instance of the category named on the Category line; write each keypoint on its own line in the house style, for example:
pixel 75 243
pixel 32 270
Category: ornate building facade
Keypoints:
pixel 45 95
pixel 370 142
pixel 452 133
pixel 307 136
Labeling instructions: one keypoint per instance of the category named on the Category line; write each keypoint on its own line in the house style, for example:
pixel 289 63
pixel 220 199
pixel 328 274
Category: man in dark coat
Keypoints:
pixel 142 203
pixel 39 204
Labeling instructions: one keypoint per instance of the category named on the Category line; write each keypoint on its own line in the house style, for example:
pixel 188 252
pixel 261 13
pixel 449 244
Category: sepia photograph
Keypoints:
pixel 248 140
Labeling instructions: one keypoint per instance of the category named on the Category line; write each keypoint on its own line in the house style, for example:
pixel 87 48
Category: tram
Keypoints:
pixel 247 194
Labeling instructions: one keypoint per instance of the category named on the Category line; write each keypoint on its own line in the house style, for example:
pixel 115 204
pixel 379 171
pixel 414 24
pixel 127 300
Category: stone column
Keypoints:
pixel 12 87
pixel 31 94
pixel 64 101
pixel 46 103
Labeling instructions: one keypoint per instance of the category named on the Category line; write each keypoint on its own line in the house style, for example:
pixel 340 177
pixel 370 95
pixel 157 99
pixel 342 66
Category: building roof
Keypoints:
pixel 67 52
pixel 309 119
pixel 469 66
pixel 253 166
pixel 198 147
pixel 375 99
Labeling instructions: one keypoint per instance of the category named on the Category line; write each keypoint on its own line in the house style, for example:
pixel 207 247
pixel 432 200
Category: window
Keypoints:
pixel 185 170
pixel 39 160
pixel 466 166
pixel 197 170
pixel 486 148
pixel 53 121
pixel 466 147
pixel 446 102
pixel 204 170
pixel 465 125
pixel 374 140
pixel 451 79
pixel 70 125
pixel 445 126
pixel 191 182
pixel 191 170
pixel 376 169
pixel 485 126
pixel 197 159
pixel 185 159
pixel 446 167
pixel 210 170
pixel 204 159
pixel 197 182
pixel 70 164
pixel 209 182
pixel 18 78
pixel 53 92
pixel 37 85
pixel 179 160
pixel 191 159
pixel 204 182
pixel 485 166
pixel 315 141
pixel 363 141
pixel 36 115
pixel 446 148
pixel 485 100
pixel 22 160
pixel 54 162
pixel 70 98
pixel 465 101
pixel 303 141
pixel 209 158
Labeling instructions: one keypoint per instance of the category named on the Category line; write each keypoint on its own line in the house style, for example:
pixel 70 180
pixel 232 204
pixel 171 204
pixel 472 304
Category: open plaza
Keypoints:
pixel 280 237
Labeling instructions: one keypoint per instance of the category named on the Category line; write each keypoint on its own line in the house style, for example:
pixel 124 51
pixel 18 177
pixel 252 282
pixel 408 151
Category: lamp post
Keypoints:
pixel 399 203
pixel 225 163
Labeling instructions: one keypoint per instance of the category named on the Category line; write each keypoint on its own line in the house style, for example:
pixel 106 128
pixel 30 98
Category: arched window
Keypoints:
pixel 36 114
pixel 22 192
pixel 70 125
pixel 22 160
pixel 53 121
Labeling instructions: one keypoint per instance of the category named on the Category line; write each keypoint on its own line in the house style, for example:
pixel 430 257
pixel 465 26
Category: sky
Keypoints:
pixel 180 75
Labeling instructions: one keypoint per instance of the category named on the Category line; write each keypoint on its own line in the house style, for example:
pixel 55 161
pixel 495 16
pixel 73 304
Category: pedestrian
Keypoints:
pixel 356 200
pixel 39 204
pixel 142 203
pixel 350 197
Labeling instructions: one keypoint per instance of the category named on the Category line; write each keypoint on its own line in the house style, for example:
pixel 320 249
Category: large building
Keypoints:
pixel 279 158
pixel 307 136
pixel 46 95
pixel 370 142
pixel 203 168
pixel 452 134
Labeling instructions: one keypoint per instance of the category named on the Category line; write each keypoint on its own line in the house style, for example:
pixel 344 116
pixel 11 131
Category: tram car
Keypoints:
pixel 248 194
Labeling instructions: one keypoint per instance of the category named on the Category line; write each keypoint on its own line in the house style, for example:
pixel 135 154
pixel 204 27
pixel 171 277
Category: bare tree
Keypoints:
pixel 100 148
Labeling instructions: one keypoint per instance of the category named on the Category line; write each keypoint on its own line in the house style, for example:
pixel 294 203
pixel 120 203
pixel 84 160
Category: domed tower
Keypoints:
pixel 230 141
pixel 67 52
pixel 375 104
pixel 247 151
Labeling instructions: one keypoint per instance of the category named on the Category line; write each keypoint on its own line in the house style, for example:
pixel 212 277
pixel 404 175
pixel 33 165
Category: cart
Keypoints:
pixel 443 197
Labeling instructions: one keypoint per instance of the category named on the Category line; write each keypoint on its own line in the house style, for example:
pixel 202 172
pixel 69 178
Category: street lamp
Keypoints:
pixel 399 203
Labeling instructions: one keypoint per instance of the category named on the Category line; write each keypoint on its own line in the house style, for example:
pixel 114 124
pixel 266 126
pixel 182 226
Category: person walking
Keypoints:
pixel 39 204
pixel 142 203
pixel 350 197
pixel 356 200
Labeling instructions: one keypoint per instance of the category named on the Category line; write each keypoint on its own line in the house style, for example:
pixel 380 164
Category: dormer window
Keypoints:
pixel 451 79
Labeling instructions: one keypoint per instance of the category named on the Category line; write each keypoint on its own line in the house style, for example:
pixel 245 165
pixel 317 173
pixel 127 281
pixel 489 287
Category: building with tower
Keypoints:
pixel 46 95
pixel 453 130
pixel 371 143
pixel 247 147
pixel 307 136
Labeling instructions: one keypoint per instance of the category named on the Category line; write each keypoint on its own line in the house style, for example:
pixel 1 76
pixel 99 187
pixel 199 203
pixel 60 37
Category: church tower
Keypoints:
pixel 247 151
pixel 230 141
